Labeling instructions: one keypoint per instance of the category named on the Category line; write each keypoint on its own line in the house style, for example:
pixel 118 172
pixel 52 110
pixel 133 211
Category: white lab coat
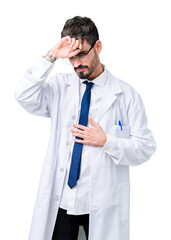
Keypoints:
pixel 58 98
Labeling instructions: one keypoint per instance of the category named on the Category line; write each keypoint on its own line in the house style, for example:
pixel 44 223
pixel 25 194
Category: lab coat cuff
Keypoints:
pixel 41 69
pixel 113 148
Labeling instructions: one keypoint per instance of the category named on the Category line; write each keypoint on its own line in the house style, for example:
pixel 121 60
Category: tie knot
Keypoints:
pixel 88 84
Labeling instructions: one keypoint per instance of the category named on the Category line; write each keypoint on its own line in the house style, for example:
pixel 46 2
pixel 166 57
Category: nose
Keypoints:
pixel 76 62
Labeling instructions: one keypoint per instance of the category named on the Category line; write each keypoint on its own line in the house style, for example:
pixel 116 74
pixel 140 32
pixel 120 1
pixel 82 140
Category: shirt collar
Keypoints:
pixel 100 80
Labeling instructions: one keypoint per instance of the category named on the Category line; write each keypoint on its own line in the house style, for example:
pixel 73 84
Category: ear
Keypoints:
pixel 98 46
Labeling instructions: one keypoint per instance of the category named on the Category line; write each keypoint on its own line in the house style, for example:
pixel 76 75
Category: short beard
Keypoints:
pixel 85 76
pixel 91 69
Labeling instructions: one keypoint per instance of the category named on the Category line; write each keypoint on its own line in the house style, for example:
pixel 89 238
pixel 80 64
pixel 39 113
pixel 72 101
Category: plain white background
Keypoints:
pixel 136 41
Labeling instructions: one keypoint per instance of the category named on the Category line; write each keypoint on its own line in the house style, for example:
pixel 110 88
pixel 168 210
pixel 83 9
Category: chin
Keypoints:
pixel 83 75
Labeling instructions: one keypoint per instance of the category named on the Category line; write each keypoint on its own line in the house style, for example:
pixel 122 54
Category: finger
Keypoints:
pixel 80 46
pixel 66 39
pixel 80 141
pixel 77 43
pixel 74 53
pixel 73 41
pixel 84 142
pixel 92 122
pixel 77 131
pixel 78 135
pixel 80 126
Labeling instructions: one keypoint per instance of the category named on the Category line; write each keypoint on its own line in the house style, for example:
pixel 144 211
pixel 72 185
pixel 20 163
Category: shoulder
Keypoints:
pixel 129 93
pixel 61 79
pixel 126 88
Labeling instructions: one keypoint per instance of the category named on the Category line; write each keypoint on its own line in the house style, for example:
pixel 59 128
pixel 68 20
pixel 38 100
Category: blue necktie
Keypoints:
pixel 74 173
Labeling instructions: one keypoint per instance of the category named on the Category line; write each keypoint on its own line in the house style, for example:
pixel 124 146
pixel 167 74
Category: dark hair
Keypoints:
pixel 81 27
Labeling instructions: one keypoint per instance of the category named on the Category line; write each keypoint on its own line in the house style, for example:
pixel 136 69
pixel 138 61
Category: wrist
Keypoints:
pixel 50 57
pixel 104 141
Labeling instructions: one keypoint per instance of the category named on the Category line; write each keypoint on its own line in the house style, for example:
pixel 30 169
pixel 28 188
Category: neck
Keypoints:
pixel 99 69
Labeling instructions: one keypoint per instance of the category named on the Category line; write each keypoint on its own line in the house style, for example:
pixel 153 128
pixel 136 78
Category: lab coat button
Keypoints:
pixel 61 169
pixel 98 100
pixel 67 143
pixel 73 117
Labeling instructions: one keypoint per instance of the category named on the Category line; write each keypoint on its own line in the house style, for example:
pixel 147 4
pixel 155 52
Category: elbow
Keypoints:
pixel 151 148
pixel 18 95
pixel 147 150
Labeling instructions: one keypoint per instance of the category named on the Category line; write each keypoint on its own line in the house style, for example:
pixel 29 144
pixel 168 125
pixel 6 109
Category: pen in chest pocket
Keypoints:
pixel 120 124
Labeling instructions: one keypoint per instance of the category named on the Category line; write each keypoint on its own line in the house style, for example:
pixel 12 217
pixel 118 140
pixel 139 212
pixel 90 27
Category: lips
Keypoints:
pixel 80 69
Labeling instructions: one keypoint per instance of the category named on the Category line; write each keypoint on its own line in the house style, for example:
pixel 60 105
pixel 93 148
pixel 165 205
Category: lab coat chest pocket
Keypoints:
pixel 116 131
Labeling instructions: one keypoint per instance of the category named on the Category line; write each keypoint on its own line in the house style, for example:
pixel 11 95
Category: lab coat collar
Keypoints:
pixel 111 89
pixel 100 80
pixel 112 82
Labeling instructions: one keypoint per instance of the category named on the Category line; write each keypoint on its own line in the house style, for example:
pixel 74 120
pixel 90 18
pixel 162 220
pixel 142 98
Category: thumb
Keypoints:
pixel 92 122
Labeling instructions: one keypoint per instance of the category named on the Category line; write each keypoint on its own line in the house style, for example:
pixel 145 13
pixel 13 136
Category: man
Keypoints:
pixel 99 129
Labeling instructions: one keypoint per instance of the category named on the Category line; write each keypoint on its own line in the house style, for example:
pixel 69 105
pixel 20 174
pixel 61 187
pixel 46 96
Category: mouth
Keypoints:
pixel 80 69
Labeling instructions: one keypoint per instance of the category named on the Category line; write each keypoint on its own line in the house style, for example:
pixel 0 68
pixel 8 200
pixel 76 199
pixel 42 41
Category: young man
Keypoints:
pixel 99 129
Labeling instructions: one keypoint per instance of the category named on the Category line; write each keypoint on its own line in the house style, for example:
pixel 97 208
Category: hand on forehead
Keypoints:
pixel 78 43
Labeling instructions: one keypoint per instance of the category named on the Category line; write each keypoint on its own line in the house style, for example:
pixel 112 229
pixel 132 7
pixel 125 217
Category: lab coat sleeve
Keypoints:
pixel 138 145
pixel 33 93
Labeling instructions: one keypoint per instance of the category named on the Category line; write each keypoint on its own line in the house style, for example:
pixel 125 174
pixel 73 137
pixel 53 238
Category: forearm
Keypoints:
pixel 133 151
pixel 133 143
pixel 32 92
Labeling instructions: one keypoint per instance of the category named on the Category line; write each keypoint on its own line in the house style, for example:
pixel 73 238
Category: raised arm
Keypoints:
pixel 34 93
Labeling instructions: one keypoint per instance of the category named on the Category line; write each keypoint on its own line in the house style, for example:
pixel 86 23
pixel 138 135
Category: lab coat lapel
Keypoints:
pixel 74 84
pixel 112 88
